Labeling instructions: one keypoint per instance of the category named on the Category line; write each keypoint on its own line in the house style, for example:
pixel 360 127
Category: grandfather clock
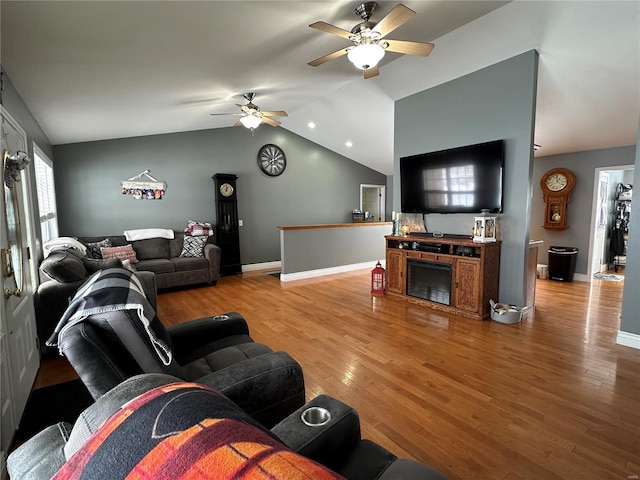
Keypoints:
pixel 227 234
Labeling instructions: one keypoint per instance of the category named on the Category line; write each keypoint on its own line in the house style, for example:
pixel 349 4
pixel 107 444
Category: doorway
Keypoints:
pixel 372 201
pixel 603 216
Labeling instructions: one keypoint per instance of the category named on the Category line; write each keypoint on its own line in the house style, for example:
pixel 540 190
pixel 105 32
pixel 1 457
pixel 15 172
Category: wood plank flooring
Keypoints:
pixel 552 397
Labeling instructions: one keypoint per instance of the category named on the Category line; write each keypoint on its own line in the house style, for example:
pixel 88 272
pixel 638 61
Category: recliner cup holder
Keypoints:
pixel 315 416
pixel 221 318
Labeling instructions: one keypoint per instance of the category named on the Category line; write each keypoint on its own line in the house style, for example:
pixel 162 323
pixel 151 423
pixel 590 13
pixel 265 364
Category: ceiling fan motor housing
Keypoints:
pixel 364 10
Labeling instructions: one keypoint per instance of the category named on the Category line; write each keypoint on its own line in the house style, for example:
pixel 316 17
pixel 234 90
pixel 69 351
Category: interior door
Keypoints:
pixel 599 235
pixel 20 354
pixel 372 200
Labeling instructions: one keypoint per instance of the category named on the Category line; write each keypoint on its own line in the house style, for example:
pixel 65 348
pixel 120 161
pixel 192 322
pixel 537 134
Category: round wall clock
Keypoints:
pixel 557 185
pixel 271 160
pixel 557 180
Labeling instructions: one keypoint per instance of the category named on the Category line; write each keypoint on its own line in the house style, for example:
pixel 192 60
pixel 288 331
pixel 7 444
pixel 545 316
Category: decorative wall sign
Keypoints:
pixel 142 189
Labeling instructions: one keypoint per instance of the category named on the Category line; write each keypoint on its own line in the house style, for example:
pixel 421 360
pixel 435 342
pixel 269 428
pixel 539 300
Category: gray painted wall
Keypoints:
pixel 13 103
pixel 318 186
pixel 321 248
pixel 583 165
pixel 630 321
pixel 497 102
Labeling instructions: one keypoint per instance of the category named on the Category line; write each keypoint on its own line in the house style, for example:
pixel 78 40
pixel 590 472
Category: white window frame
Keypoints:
pixel 49 221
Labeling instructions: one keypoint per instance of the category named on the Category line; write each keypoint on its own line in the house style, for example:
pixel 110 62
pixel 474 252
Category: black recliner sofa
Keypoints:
pixel 110 333
pixel 325 431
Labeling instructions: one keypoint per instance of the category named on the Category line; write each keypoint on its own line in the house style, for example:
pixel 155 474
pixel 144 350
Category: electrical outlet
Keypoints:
pixel 240 223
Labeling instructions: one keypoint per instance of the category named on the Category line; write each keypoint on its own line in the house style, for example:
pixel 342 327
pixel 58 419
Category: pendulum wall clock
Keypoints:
pixel 227 233
pixel 557 185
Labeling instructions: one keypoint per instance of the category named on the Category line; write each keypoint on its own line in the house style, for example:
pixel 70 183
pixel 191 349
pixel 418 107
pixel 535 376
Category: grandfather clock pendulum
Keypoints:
pixel 227 234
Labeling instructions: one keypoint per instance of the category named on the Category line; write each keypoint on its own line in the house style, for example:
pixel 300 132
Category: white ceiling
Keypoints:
pixel 92 70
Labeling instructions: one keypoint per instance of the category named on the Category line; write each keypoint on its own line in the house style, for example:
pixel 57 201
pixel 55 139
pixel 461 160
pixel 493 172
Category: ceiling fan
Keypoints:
pixel 251 116
pixel 368 38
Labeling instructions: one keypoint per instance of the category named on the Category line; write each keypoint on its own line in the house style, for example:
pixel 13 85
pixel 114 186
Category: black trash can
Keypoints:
pixel 562 263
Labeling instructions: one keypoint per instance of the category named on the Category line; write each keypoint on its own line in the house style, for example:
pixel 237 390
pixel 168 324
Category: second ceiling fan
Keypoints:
pixel 251 116
pixel 368 38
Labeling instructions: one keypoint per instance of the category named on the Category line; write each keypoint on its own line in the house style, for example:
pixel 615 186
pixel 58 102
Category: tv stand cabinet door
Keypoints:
pixel 396 266
pixel 466 286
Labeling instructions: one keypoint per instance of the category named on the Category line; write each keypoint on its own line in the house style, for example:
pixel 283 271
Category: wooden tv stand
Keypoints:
pixel 475 270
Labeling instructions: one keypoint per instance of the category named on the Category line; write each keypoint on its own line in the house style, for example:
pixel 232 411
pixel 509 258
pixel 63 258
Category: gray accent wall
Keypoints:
pixel 630 321
pixel 583 165
pixel 317 187
pixel 497 102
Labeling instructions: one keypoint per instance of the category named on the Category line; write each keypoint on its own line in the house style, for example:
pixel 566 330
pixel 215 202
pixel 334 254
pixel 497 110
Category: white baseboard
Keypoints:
pixel 628 339
pixel 250 267
pixel 581 277
pixel 326 271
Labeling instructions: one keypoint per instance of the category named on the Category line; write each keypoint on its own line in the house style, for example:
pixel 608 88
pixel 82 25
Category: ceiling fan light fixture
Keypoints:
pixel 366 55
pixel 251 121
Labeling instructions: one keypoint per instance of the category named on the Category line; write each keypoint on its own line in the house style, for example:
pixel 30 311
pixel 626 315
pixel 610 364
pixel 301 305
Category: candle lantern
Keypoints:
pixel 377 280
pixel 484 228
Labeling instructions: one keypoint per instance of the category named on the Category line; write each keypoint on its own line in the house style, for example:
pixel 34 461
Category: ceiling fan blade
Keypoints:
pixel 275 113
pixel 238 124
pixel 396 17
pixel 326 58
pixel 326 27
pixel 371 72
pixel 270 121
pixel 410 48
pixel 213 114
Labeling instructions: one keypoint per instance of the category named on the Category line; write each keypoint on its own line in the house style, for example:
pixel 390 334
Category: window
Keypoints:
pixel 46 196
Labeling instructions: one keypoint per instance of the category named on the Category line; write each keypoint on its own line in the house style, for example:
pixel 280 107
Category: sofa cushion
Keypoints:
pixel 158 265
pixel 93 248
pixel 93 264
pixel 193 246
pixel 183 264
pixel 125 252
pixel 42 455
pixel 151 248
pixel 175 245
pixel 64 266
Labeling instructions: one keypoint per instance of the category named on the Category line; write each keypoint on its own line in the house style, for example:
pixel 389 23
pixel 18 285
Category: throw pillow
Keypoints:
pixel 186 430
pixel 64 267
pixel 93 248
pixel 93 264
pixel 125 252
pixel 193 246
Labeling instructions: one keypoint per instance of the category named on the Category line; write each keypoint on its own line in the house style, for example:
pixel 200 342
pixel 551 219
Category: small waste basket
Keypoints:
pixel 562 263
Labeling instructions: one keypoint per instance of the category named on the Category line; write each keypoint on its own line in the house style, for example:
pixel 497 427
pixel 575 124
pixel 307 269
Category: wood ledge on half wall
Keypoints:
pixel 334 225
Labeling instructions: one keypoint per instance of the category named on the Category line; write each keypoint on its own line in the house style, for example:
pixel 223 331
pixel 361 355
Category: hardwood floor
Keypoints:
pixel 553 397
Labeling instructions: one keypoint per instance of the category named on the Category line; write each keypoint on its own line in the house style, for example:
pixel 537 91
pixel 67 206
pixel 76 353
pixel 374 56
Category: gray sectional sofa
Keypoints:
pixel 162 257
pixel 159 264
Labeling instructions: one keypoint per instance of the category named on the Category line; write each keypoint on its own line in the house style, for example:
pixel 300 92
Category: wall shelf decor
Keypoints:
pixel 140 188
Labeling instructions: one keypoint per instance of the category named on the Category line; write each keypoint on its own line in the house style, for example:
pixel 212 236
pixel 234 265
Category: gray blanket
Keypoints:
pixel 110 290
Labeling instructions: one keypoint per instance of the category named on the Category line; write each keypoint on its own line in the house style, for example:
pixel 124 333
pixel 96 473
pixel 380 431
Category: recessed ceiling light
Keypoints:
pixel 349 144
pixel 311 125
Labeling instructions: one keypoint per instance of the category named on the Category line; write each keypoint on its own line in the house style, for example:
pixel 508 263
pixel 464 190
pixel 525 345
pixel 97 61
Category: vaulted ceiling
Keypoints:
pixel 93 70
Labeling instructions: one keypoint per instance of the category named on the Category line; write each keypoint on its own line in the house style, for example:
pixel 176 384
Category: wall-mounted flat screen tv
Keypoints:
pixel 459 180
